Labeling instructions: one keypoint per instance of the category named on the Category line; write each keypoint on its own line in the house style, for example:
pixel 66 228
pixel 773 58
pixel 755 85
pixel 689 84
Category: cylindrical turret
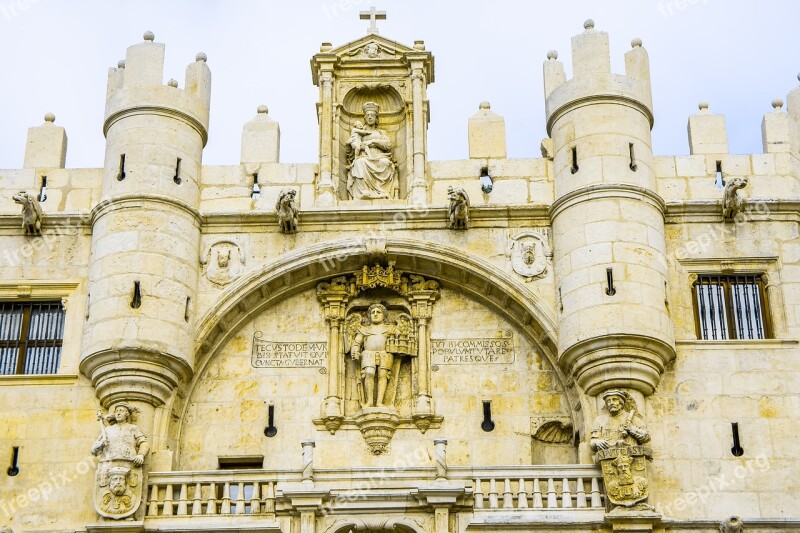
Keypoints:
pixel 146 231
pixel 608 220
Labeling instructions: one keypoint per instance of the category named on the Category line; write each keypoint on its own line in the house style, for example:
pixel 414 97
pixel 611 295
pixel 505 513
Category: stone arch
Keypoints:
pixel 303 269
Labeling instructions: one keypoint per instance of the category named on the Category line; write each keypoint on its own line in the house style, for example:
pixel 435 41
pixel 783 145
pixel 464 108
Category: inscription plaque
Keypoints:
pixel 288 354
pixel 491 349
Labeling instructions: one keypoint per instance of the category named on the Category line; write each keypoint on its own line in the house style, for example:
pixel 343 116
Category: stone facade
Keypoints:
pixel 494 344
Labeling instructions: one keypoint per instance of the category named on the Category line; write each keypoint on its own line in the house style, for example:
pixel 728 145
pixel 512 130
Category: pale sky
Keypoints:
pixel 737 55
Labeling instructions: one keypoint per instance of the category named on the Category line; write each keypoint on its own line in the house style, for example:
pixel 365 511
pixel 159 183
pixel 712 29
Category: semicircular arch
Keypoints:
pixel 304 268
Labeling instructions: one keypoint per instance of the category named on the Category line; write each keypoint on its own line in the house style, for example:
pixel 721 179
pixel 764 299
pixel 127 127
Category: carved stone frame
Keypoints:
pixel 420 295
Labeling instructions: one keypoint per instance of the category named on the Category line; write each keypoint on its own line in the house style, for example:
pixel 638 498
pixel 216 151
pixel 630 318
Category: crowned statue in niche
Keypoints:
pixel 371 170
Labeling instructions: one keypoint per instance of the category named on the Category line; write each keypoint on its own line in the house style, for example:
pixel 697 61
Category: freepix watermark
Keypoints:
pixel 13 9
pixel 667 8
pixel 44 490
pixel 336 9
pixel 716 484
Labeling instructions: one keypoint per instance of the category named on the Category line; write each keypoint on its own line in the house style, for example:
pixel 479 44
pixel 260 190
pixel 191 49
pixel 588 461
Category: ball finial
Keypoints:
pixel 588 25
pixel 552 55
pixel 49 117
pixel 485 105
pixel 149 36
pixel 636 43
pixel 201 56
pixel 702 106
pixel 173 83
pixel 121 63
pixel 262 110
pixel 777 104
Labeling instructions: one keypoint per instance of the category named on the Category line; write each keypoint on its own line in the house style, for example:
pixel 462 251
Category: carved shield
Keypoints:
pixel 529 252
pixel 118 489
pixel 625 474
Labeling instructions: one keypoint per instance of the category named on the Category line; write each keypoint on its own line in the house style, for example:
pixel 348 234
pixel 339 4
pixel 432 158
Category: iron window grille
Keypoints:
pixel 31 336
pixel 731 307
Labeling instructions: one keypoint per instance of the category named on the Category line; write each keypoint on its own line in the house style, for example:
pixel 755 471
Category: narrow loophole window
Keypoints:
pixel 177 178
pixel 610 290
pixel 574 168
pixel 136 301
pixel 256 192
pixel 271 430
pixel 13 470
pixel 121 171
pixel 633 165
pixel 737 449
pixel 487 424
pixel 719 182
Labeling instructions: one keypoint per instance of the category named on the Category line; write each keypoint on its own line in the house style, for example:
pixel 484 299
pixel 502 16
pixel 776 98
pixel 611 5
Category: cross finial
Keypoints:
pixel 372 16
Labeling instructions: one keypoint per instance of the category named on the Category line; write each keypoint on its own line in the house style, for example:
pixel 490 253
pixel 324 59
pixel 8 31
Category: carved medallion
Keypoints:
pixel 530 253
pixel 223 262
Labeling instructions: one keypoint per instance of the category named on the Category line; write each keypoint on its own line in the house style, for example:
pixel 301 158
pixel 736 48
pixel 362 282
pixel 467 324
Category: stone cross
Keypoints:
pixel 372 16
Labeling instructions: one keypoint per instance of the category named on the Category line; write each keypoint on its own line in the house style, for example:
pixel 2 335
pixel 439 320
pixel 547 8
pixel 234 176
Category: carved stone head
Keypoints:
pixel 223 259
pixel 615 401
pixel 122 413
pixel 376 313
pixel 731 525
pixel 118 480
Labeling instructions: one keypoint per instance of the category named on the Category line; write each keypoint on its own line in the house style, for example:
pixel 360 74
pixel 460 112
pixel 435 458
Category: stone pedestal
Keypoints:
pixel 632 521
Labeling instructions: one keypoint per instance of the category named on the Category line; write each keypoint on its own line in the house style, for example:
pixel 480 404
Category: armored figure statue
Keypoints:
pixel 122 448
pixel 374 344
pixel 617 438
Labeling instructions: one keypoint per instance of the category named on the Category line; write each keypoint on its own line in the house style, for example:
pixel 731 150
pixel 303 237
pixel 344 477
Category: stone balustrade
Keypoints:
pixel 221 493
pixel 539 488
pixel 260 492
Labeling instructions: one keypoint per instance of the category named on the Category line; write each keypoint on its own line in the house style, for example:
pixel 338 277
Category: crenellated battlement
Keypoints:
pixel 592 77
pixel 135 86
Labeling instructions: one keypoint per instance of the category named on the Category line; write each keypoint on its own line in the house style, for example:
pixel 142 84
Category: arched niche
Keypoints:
pixel 393 119
pixel 301 271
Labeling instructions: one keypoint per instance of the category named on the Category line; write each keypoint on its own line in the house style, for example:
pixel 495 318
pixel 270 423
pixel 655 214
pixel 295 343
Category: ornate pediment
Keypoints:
pixel 372 47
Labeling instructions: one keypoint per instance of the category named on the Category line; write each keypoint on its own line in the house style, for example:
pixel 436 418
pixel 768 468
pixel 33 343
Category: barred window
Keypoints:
pixel 31 335
pixel 731 307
